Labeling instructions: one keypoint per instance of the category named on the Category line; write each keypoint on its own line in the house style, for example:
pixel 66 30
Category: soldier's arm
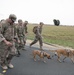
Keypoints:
pixel 17 31
pixel 1 38
pixel 26 30
pixel 1 31
pixel 2 28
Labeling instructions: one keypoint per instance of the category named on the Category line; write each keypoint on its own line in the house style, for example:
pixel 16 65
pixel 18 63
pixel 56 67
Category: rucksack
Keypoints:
pixel 35 29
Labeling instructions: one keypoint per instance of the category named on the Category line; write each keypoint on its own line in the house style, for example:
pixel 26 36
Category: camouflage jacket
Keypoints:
pixel 20 31
pixel 25 27
pixel 7 31
pixel 37 30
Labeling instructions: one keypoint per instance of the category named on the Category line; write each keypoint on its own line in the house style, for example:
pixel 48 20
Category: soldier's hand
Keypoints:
pixel 14 40
pixel 18 41
pixel 8 43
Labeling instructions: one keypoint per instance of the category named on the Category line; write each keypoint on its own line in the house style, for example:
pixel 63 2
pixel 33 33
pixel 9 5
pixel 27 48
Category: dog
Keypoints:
pixel 41 54
pixel 65 52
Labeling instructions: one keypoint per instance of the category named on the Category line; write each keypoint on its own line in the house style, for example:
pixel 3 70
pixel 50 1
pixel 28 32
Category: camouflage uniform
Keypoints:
pixel 17 46
pixel 21 34
pixel 7 32
pixel 25 27
pixel 37 31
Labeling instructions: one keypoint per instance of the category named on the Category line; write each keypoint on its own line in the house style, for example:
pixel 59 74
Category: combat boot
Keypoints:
pixel 30 45
pixel 4 67
pixel 10 66
pixel 23 48
pixel 19 53
pixel 20 47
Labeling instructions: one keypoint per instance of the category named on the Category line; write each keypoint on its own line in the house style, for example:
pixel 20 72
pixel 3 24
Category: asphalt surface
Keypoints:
pixel 25 65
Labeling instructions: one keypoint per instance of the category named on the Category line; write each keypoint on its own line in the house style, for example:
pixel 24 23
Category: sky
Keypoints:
pixel 35 11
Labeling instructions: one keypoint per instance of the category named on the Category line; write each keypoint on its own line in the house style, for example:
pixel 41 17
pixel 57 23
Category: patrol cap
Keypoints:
pixel 41 23
pixel 26 21
pixel 12 17
pixel 19 20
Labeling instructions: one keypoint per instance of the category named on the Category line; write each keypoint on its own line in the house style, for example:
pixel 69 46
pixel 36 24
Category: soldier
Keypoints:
pixel 17 46
pixel 37 31
pixel 7 44
pixel 21 34
pixel 25 27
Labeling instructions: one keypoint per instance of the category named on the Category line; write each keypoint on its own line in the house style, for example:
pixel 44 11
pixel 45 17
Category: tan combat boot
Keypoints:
pixel 4 67
pixel 10 65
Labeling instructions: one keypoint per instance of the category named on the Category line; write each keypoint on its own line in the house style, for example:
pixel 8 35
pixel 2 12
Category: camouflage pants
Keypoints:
pixel 37 38
pixel 22 41
pixel 17 45
pixel 6 52
pixel 25 38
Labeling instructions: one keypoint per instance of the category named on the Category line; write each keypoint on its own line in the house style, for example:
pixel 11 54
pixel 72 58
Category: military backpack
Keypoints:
pixel 35 29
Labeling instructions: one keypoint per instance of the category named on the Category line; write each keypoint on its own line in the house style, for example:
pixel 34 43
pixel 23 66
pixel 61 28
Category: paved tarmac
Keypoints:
pixel 25 65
